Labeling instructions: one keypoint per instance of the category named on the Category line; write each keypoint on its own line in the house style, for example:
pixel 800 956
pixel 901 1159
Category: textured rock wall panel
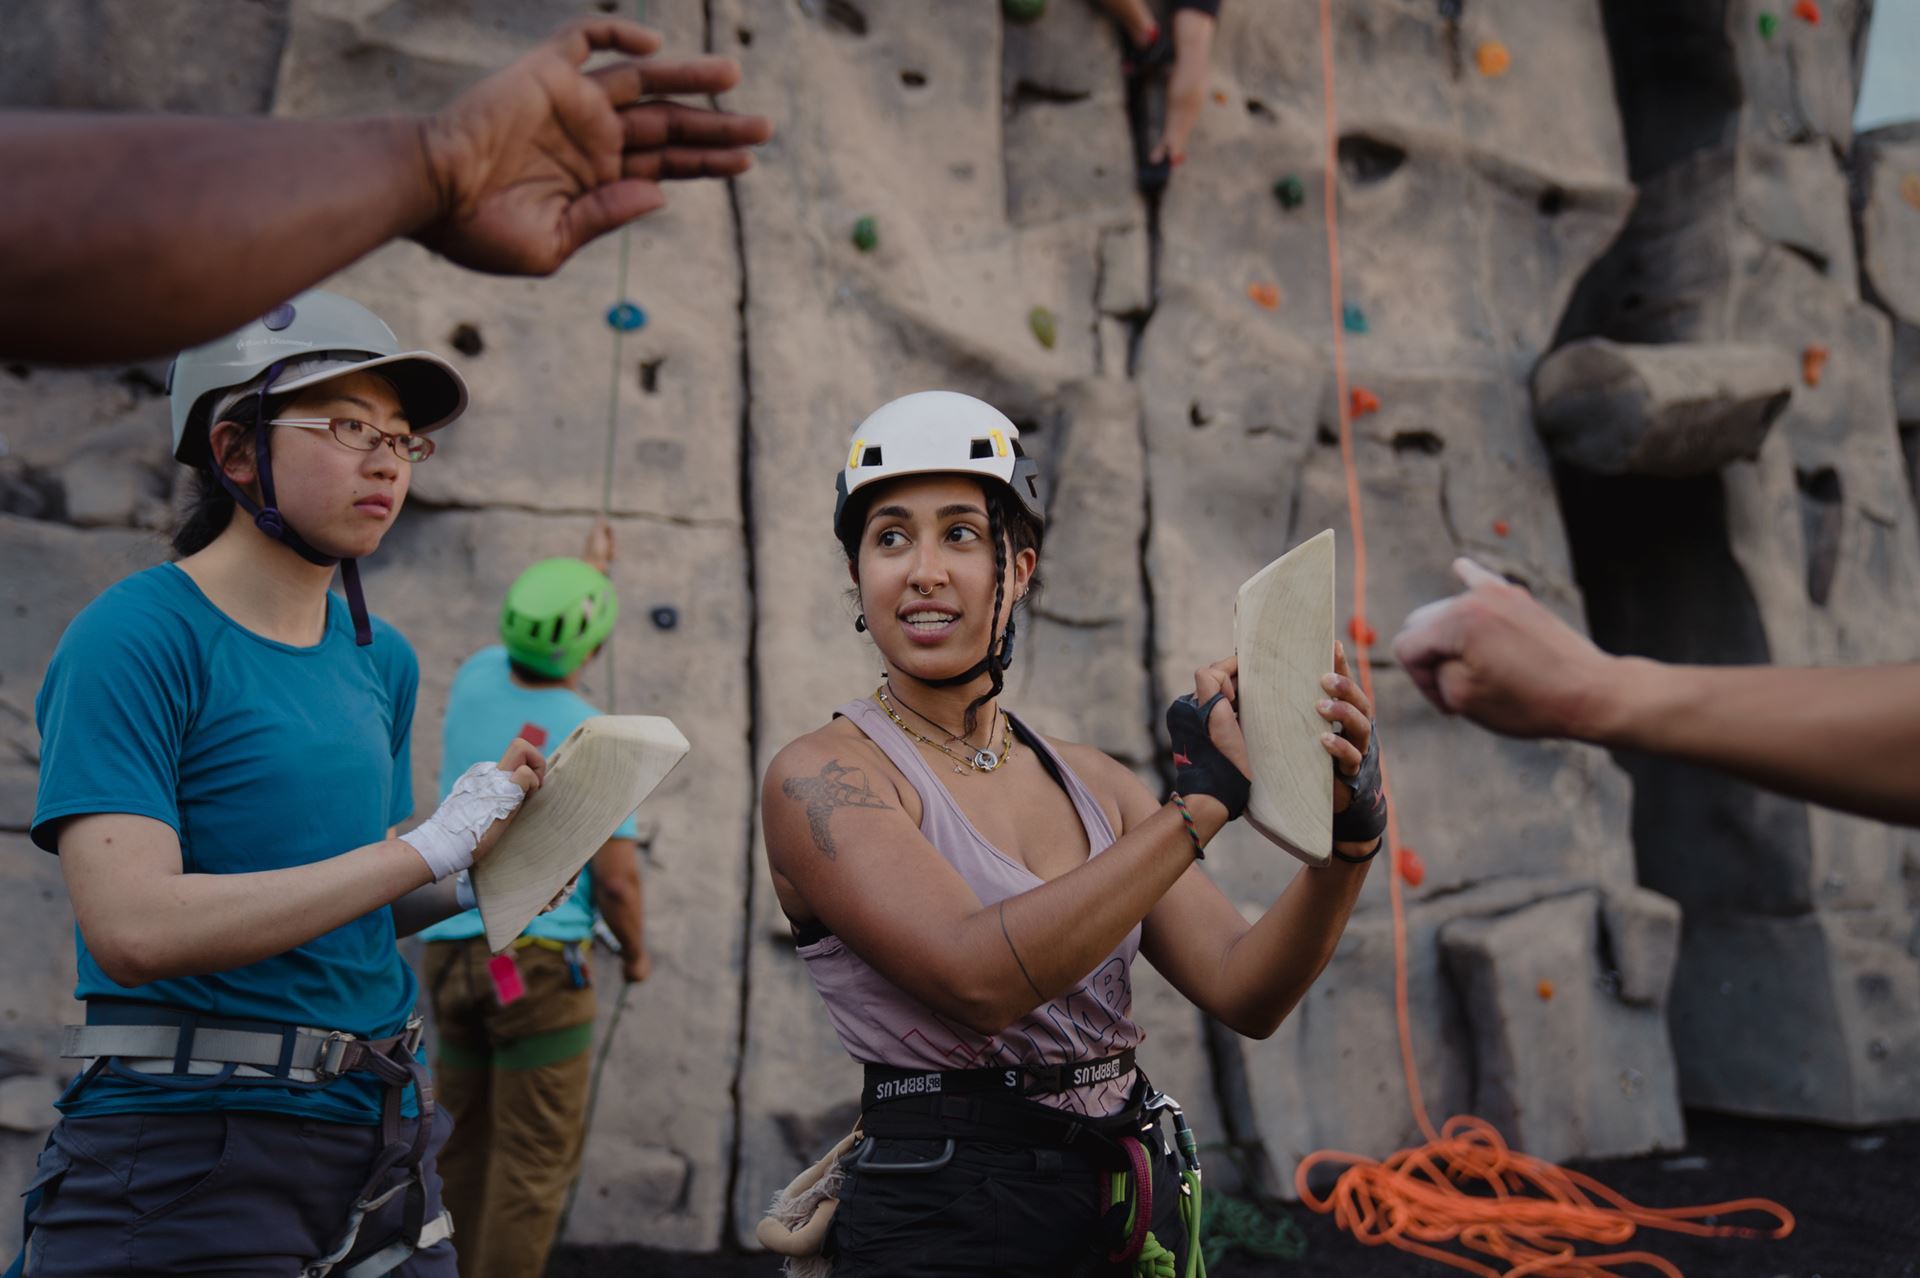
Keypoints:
pixel 1808 553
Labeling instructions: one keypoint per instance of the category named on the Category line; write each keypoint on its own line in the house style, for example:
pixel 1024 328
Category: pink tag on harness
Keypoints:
pixel 507 985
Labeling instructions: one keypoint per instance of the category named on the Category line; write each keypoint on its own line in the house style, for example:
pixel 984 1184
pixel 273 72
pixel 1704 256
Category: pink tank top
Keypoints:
pixel 878 1022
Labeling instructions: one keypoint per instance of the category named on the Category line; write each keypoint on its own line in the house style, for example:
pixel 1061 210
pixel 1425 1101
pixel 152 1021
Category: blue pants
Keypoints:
pixel 244 1195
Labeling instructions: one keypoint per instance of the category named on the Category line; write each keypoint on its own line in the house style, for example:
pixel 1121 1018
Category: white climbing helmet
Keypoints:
pixel 938 432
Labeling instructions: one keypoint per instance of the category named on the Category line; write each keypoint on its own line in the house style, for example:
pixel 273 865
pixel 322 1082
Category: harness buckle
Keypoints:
pixel 412 1035
pixel 330 1064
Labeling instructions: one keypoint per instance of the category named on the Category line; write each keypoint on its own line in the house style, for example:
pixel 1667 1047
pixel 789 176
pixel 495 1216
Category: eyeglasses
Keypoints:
pixel 364 437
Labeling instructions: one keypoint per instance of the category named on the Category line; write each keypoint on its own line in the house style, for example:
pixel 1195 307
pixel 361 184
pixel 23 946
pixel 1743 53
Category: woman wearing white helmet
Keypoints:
pixel 969 897
pixel 225 751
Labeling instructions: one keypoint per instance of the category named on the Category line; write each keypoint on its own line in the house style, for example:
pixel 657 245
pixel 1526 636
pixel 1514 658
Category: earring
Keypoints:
pixel 1006 647
pixel 860 624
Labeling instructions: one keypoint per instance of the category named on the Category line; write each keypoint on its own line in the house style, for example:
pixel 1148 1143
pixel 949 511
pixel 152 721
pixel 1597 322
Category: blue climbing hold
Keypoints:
pixel 666 618
pixel 627 317
pixel 1353 319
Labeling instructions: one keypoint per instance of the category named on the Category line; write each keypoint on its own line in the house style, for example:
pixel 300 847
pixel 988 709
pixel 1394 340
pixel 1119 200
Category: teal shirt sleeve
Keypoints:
pixel 113 713
pixel 402 670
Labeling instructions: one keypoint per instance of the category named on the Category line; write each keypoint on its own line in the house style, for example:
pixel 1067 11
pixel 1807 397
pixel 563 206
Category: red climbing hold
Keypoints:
pixel 1813 362
pixel 1361 401
pixel 1501 527
pixel 1411 868
pixel 1362 633
pixel 1808 12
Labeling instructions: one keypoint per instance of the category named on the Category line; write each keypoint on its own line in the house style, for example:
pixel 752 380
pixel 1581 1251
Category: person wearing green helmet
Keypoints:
pixel 512 1061
pixel 225 759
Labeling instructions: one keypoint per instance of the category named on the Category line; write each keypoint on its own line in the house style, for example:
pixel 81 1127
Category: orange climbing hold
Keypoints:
pixel 1813 362
pixel 1501 527
pixel 1412 869
pixel 1493 59
pixel 1361 401
pixel 1265 296
pixel 1219 97
pixel 1808 12
pixel 1361 632
pixel 1910 189
pixel 1546 991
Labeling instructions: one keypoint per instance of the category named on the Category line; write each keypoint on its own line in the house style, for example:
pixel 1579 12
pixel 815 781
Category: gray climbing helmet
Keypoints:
pixel 314 338
pixel 326 335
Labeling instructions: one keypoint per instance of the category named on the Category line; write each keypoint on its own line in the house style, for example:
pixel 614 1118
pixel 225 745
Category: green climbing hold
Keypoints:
pixel 1768 25
pixel 1040 320
pixel 1290 191
pixel 866 236
pixel 1023 10
pixel 1353 319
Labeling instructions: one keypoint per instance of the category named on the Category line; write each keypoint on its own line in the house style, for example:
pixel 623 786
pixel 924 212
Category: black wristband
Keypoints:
pixel 1199 767
pixel 1338 855
pixel 1365 817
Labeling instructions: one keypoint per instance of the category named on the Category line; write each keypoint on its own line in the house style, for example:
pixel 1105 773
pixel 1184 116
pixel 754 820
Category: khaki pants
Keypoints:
pixel 515 1081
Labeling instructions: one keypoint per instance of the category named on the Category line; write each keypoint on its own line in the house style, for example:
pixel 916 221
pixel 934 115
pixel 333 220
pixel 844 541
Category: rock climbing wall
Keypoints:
pixel 1183 403
pixel 1797 993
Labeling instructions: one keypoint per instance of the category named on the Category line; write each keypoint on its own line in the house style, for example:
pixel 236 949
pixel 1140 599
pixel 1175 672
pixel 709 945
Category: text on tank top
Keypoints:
pixel 880 1023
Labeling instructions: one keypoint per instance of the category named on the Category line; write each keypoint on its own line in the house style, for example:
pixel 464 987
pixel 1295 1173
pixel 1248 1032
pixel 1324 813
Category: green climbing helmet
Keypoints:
pixel 556 614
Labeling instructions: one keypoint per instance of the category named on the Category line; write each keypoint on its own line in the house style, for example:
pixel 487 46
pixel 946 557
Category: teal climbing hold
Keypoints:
pixel 1023 10
pixel 626 317
pixel 866 235
pixel 1290 191
pixel 1353 319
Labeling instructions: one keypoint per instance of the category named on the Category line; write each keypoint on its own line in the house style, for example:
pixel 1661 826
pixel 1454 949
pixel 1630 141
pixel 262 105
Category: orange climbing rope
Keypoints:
pixel 1465 1186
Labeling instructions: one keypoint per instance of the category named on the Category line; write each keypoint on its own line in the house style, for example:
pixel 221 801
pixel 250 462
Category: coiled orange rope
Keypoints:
pixel 1465 1186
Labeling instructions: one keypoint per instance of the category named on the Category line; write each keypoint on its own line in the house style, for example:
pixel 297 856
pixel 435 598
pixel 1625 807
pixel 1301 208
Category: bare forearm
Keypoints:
pixel 1063 930
pixel 192 924
pixel 625 913
pixel 421 908
pixel 157 205
pixel 1268 970
pixel 1844 737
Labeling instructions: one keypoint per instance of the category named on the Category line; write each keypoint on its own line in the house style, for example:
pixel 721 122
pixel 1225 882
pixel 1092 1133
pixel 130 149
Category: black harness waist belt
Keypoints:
pixel 885 1083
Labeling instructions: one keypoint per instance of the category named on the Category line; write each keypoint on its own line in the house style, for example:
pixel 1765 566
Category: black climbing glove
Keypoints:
pixel 1366 816
pixel 1199 767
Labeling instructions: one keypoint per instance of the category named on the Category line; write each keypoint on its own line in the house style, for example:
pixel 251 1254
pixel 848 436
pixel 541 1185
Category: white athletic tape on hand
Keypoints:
pixel 446 840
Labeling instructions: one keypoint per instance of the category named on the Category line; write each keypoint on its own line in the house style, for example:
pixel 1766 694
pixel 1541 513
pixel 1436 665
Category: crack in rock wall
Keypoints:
pixel 1188 430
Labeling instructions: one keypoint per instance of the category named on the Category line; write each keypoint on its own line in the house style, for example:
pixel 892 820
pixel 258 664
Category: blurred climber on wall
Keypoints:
pixel 109 220
pixel 1150 50
pixel 513 1031
pixel 225 756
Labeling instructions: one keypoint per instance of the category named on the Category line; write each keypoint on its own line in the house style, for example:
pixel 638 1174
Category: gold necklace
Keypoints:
pixel 981 760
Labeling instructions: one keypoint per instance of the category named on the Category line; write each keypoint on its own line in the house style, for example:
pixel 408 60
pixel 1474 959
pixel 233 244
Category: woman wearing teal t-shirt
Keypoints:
pixel 225 753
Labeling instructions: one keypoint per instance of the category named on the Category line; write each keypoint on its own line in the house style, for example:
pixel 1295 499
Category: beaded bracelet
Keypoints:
pixel 1199 852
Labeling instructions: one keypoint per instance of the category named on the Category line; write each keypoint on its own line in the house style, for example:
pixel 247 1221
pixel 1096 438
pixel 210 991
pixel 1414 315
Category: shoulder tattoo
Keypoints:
pixel 836 786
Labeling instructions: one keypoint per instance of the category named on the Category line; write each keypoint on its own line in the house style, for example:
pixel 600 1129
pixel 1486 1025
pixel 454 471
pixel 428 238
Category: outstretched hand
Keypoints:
pixel 1495 655
pixel 542 157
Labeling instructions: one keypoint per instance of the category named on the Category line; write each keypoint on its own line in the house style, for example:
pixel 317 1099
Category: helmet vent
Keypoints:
pixel 871 457
pixel 981 448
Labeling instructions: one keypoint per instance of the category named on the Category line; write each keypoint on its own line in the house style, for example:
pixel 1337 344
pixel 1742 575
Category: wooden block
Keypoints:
pixel 1283 632
pixel 595 780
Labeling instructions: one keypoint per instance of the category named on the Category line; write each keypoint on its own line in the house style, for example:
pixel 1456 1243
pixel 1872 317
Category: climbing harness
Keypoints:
pixel 1531 1213
pixel 185 1051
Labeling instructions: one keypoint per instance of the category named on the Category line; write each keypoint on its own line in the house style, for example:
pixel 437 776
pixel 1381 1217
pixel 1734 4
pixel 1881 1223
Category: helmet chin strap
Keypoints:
pixel 268 519
pixel 1004 658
